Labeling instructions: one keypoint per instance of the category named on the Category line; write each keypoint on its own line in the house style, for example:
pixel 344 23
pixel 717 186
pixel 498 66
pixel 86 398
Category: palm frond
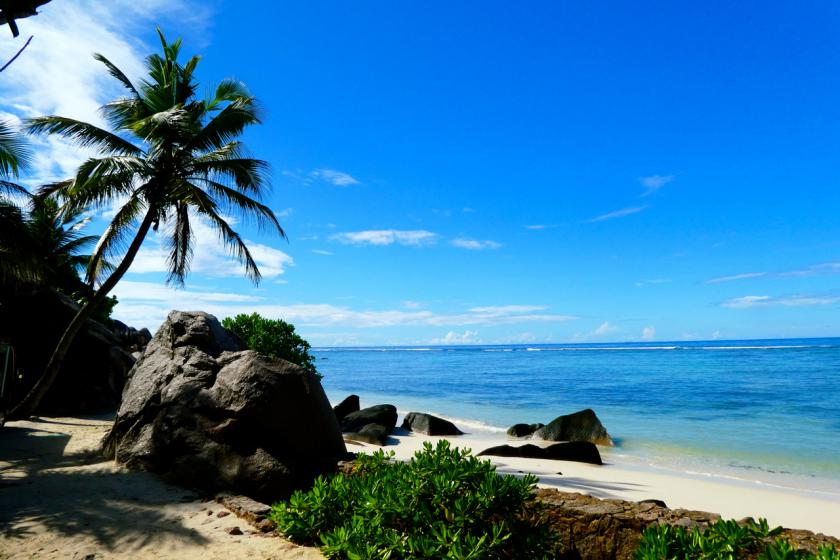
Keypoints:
pixel 114 236
pixel 83 134
pixel 227 124
pixel 232 240
pixel 243 205
pixel 14 153
pixel 117 73
pixel 180 247
pixel 247 174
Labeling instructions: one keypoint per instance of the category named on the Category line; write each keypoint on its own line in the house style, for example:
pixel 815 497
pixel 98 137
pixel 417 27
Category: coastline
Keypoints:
pixel 784 501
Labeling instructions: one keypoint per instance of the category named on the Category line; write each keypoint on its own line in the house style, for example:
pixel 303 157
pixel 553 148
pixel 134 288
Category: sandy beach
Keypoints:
pixel 60 499
pixel 791 508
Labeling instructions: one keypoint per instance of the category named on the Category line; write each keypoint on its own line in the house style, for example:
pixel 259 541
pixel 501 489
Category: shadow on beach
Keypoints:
pixel 45 487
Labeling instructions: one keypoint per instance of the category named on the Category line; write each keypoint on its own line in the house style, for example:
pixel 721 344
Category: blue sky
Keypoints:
pixel 484 172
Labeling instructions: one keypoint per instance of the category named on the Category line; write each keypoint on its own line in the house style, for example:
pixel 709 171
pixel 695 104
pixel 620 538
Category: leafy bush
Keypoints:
pixel 723 540
pixel 443 503
pixel 273 337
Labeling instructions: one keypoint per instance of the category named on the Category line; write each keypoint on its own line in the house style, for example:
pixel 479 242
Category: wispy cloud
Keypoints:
pixel 652 282
pixel 474 244
pixel 653 183
pixel 337 178
pixel 747 302
pixel 381 237
pixel 814 270
pixel 537 227
pixel 735 277
pixel 617 214
pixel 147 303
pixel 648 333
pixel 322 252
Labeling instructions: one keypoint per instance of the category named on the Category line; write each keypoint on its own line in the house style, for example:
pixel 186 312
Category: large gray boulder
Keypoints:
pixel 203 410
pixel 583 425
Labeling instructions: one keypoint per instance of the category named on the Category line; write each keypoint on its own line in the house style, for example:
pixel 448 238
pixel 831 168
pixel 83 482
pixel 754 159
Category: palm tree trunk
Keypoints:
pixel 31 401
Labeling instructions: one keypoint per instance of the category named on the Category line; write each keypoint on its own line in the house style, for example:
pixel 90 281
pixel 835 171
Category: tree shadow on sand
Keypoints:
pixel 80 493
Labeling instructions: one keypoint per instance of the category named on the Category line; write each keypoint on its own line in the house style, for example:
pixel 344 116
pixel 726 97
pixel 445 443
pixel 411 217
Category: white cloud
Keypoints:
pixel 285 213
pixel 452 338
pixel 147 303
pixel 408 304
pixel 410 238
pixel 735 277
pixel 617 214
pixel 474 244
pixel 337 178
pixel 747 302
pixel 537 227
pixel 322 252
pixel 604 328
pixel 653 183
pixel 648 333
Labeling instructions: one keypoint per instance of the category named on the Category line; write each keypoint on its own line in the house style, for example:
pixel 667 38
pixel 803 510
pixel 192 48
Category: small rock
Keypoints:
pixel 234 531
pixel 223 514
pixel 523 430
pixel 655 502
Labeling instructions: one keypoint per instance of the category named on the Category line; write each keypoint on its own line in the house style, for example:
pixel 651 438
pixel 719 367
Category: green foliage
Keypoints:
pixel 273 337
pixel 724 540
pixel 443 503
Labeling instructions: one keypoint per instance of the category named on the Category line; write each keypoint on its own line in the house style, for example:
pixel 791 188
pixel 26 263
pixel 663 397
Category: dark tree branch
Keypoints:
pixel 18 53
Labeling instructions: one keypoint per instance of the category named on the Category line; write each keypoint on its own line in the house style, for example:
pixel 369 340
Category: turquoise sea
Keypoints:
pixel 766 410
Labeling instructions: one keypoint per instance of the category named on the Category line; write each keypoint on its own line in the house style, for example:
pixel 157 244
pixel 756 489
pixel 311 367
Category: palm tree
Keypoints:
pixel 170 158
pixel 16 265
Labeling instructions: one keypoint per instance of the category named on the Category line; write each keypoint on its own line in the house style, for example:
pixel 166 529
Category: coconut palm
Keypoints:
pixel 16 265
pixel 171 157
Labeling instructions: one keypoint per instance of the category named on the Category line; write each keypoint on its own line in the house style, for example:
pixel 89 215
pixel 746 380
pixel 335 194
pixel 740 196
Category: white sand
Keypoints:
pixel 60 500
pixel 791 508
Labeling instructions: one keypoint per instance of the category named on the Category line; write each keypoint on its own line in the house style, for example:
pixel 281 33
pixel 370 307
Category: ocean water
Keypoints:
pixel 766 410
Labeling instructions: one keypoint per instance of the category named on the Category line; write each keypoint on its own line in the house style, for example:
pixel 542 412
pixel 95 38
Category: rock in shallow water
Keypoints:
pixel 523 430
pixel 429 425
pixel 583 425
pixel 200 408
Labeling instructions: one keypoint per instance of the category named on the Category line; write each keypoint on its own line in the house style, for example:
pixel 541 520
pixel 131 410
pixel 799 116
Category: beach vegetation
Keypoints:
pixel 443 503
pixel 169 158
pixel 723 540
pixel 274 338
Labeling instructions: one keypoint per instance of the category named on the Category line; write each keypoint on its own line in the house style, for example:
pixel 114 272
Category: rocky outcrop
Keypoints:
pixel 95 369
pixel 578 451
pixel 204 411
pixel 345 407
pixel 580 426
pixel 429 425
pixel 382 414
pixel 523 430
pixel 595 529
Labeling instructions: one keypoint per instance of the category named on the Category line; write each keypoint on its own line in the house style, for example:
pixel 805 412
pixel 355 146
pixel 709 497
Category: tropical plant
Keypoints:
pixel 273 337
pixel 443 503
pixel 170 158
pixel 723 540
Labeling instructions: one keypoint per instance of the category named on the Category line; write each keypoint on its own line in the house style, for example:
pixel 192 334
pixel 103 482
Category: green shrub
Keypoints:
pixel 723 540
pixel 443 503
pixel 273 337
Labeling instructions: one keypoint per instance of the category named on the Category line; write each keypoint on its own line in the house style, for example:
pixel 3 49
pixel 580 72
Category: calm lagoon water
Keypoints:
pixel 748 409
